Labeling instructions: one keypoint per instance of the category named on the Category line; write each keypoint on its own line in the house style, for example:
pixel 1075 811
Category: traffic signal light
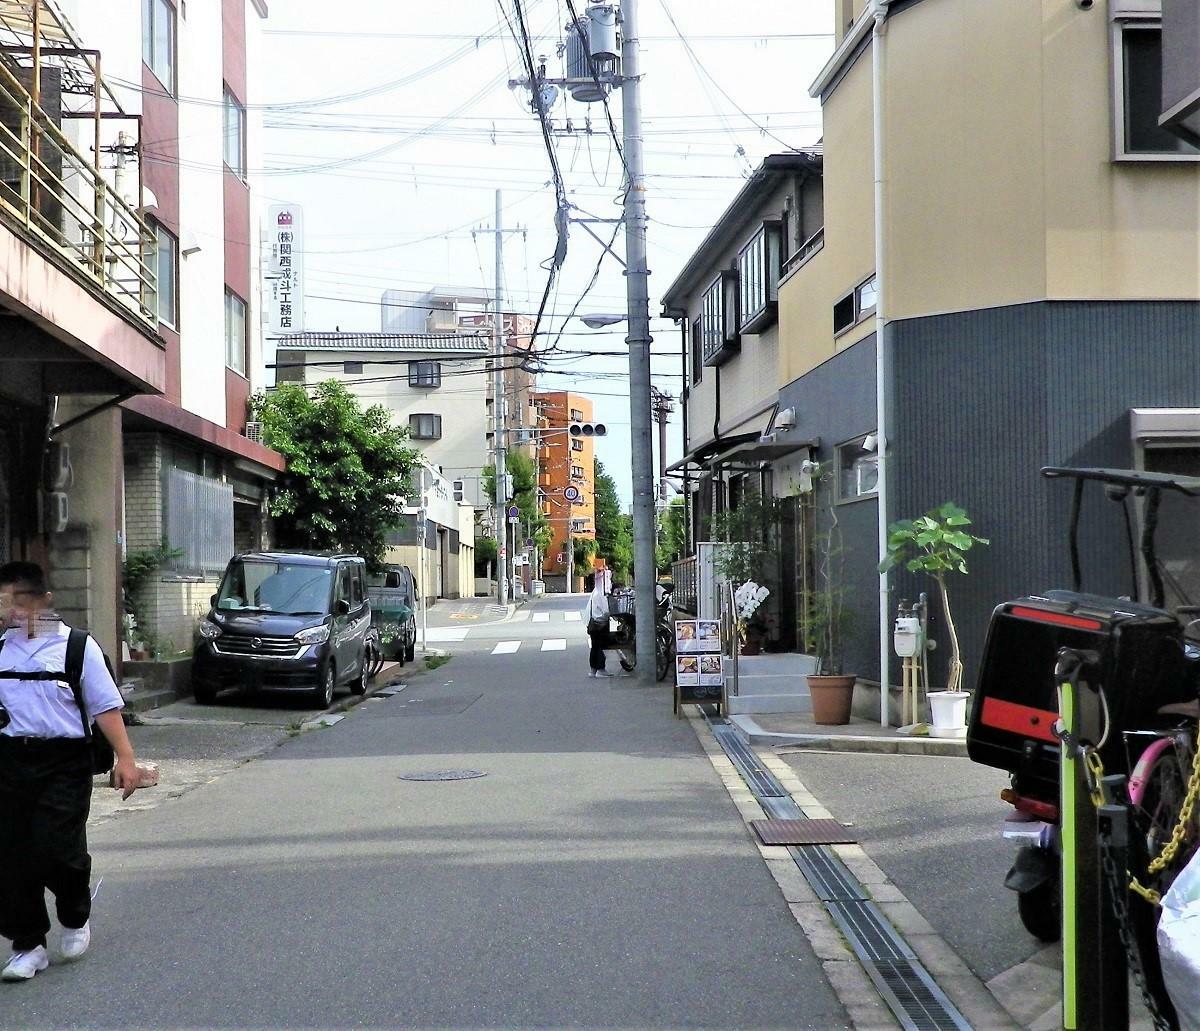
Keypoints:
pixel 588 429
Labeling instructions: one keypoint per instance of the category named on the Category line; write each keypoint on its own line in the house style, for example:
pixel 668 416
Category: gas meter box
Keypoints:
pixel 1142 666
pixel 906 636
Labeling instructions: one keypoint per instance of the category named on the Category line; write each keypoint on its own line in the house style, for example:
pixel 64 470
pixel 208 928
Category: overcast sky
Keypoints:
pixel 434 79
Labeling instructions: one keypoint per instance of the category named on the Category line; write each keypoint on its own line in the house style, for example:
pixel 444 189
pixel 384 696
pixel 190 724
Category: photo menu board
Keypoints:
pixel 699 666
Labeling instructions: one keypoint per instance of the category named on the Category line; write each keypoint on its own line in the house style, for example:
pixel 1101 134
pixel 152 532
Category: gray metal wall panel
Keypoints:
pixel 983 399
pixel 836 401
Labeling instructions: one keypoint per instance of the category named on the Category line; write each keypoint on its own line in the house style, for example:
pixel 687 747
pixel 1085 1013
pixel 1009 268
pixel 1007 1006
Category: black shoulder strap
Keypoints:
pixel 76 644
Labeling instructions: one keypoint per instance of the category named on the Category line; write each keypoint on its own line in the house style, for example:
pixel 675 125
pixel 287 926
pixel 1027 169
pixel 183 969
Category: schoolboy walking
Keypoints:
pixel 46 771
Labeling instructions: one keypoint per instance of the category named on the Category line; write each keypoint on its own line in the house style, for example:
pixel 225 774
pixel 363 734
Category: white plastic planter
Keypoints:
pixel 949 712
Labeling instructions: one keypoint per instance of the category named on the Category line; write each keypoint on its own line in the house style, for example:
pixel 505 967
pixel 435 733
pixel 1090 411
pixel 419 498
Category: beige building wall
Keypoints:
pixel 847 258
pixel 1001 187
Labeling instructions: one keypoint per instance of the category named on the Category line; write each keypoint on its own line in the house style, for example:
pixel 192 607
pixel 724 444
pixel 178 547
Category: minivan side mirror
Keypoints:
pixel 213 601
pixel 342 608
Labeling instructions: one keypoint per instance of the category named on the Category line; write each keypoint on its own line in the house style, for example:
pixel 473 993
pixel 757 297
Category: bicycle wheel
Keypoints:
pixel 1156 817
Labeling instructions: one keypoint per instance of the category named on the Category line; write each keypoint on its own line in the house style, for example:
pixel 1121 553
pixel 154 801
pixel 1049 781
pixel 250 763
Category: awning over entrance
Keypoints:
pixel 159 413
pixel 700 458
pixel 760 450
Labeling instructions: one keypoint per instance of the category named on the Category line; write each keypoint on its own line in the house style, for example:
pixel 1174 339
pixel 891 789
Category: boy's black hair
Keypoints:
pixel 27 575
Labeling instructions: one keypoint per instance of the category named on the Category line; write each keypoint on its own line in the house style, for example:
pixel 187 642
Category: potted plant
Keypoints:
pixel 826 622
pixel 937 544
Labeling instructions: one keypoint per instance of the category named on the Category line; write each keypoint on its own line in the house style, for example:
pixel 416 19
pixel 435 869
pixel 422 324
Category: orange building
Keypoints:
pixel 565 461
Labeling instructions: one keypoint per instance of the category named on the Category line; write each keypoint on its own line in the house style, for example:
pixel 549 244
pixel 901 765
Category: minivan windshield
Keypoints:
pixel 259 586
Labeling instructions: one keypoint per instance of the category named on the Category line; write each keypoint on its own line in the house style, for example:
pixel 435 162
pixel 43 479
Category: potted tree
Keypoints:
pixel 937 544
pixel 827 622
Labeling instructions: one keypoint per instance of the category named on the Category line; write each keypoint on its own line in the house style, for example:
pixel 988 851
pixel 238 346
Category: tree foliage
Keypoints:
pixel 614 530
pixel 672 535
pixel 524 473
pixel 347 469
pixel 937 543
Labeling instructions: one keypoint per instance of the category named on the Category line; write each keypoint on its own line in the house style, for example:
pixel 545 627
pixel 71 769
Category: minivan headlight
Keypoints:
pixel 209 630
pixel 314 634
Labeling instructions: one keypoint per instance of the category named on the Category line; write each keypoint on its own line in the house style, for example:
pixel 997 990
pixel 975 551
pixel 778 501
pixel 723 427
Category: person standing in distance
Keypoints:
pixel 597 623
pixel 46 773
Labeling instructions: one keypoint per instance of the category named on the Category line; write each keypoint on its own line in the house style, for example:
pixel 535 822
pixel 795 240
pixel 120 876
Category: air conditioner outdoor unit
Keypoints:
pixel 254 432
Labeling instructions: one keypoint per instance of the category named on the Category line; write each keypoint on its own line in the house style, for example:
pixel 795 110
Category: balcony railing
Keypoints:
pixel 805 251
pixel 50 190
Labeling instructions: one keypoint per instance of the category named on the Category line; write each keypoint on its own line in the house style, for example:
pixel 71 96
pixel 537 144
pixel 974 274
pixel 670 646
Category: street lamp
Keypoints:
pixel 600 320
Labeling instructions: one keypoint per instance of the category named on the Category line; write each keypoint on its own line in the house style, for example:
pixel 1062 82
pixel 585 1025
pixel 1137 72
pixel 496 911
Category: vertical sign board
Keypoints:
pixel 1181 69
pixel 284 287
pixel 699 664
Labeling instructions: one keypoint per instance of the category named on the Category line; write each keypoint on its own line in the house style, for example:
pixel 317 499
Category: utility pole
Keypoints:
pixel 498 415
pixel 662 405
pixel 638 321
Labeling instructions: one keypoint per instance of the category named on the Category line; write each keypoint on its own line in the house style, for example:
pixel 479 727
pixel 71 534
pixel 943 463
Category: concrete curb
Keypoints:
pixel 753 734
pixel 841 966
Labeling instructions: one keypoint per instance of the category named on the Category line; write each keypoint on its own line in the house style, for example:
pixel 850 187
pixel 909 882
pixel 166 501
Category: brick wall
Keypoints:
pixel 144 458
pixel 70 573
pixel 171 607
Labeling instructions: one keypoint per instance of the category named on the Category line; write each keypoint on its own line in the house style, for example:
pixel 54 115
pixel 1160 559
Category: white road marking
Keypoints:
pixel 556 645
pixel 506 647
pixel 445 633
pixel 520 616
pixel 541 617
pixel 572 617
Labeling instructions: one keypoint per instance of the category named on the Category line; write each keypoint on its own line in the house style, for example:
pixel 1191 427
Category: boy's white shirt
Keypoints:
pixel 46 708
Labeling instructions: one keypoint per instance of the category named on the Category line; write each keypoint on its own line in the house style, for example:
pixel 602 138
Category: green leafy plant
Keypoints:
pixel 937 544
pixel 137 571
pixel 434 661
pixel 347 469
pixel 672 535
pixel 827 621
pixel 584 548
pixel 745 535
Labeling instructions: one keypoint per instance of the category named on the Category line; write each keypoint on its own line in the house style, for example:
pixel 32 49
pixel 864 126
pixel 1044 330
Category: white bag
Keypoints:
pixel 1179 944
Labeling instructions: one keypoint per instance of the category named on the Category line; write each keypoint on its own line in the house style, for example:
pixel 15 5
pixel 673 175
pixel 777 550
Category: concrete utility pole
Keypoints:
pixel 638 316
pixel 663 405
pixel 498 416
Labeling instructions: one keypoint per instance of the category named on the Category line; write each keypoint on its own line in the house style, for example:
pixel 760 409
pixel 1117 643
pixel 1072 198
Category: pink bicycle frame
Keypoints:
pixel 1141 772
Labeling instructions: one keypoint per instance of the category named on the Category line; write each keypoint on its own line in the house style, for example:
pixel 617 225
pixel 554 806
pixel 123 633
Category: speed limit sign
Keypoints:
pixel 572 494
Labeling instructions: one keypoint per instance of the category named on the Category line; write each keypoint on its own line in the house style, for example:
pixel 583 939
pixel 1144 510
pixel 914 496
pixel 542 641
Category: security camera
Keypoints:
pixel 1084 5
pixel 870 442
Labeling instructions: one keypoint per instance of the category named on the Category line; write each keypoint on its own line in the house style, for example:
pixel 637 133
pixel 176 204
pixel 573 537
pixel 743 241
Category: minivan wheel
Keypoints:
pixel 364 675
pixel 323 696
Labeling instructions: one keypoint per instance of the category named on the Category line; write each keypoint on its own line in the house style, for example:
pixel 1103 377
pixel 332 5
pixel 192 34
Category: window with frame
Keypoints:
pixel 850 309
pixel 425 426
pixel 858 468
pixel 697 354
pixel 352 368
pixel 356 588
pixel 577 472
pixel 758 267
pixel 235 332
pixel 718 319
pixel 576 415
pixel 1137 91
pixel 576 444
pixel 166 246
pixel 235 135
pixel 158 41
pixel 424 374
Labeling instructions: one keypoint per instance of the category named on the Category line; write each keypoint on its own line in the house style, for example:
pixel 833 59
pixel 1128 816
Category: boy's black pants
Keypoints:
pixel 45 797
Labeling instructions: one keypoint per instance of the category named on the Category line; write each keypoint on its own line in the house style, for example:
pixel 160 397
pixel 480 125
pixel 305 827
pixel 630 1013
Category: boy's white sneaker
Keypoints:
pixel 21 966
pixel 75 941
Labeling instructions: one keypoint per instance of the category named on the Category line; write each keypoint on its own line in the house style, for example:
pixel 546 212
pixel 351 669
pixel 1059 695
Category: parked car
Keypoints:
pixel 393 596
pixel 286 621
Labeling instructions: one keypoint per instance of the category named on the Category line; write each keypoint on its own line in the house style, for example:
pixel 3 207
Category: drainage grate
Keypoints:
pixel 762 782
pixel 802 832
pixel 444 775
pixel 903 983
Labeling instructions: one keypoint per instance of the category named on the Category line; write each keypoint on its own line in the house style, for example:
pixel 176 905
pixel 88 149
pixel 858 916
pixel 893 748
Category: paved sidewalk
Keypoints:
pixel 799 730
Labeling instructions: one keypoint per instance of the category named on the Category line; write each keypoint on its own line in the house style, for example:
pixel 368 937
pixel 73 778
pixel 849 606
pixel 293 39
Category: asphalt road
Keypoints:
pixel 932 823
pixel 598 875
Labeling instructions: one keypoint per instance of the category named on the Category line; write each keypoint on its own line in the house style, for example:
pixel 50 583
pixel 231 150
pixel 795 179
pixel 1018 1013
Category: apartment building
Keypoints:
pixel 1038 296
pixel 194 482
pixel 566 480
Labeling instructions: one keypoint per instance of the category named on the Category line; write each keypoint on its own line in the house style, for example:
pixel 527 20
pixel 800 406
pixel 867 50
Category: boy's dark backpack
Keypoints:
pixel 102 753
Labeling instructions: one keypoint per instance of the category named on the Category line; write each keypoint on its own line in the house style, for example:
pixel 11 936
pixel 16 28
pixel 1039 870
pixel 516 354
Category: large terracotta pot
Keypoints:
pixel 832 698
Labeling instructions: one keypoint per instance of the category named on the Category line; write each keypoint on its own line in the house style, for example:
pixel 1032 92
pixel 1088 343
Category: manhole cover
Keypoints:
pixel 444 775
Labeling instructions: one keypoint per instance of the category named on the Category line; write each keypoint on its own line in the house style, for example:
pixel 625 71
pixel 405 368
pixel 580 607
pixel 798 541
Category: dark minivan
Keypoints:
pixel 287 621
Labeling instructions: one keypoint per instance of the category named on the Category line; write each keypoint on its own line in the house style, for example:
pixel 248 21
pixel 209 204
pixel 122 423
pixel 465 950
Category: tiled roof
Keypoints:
pixel 460 342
